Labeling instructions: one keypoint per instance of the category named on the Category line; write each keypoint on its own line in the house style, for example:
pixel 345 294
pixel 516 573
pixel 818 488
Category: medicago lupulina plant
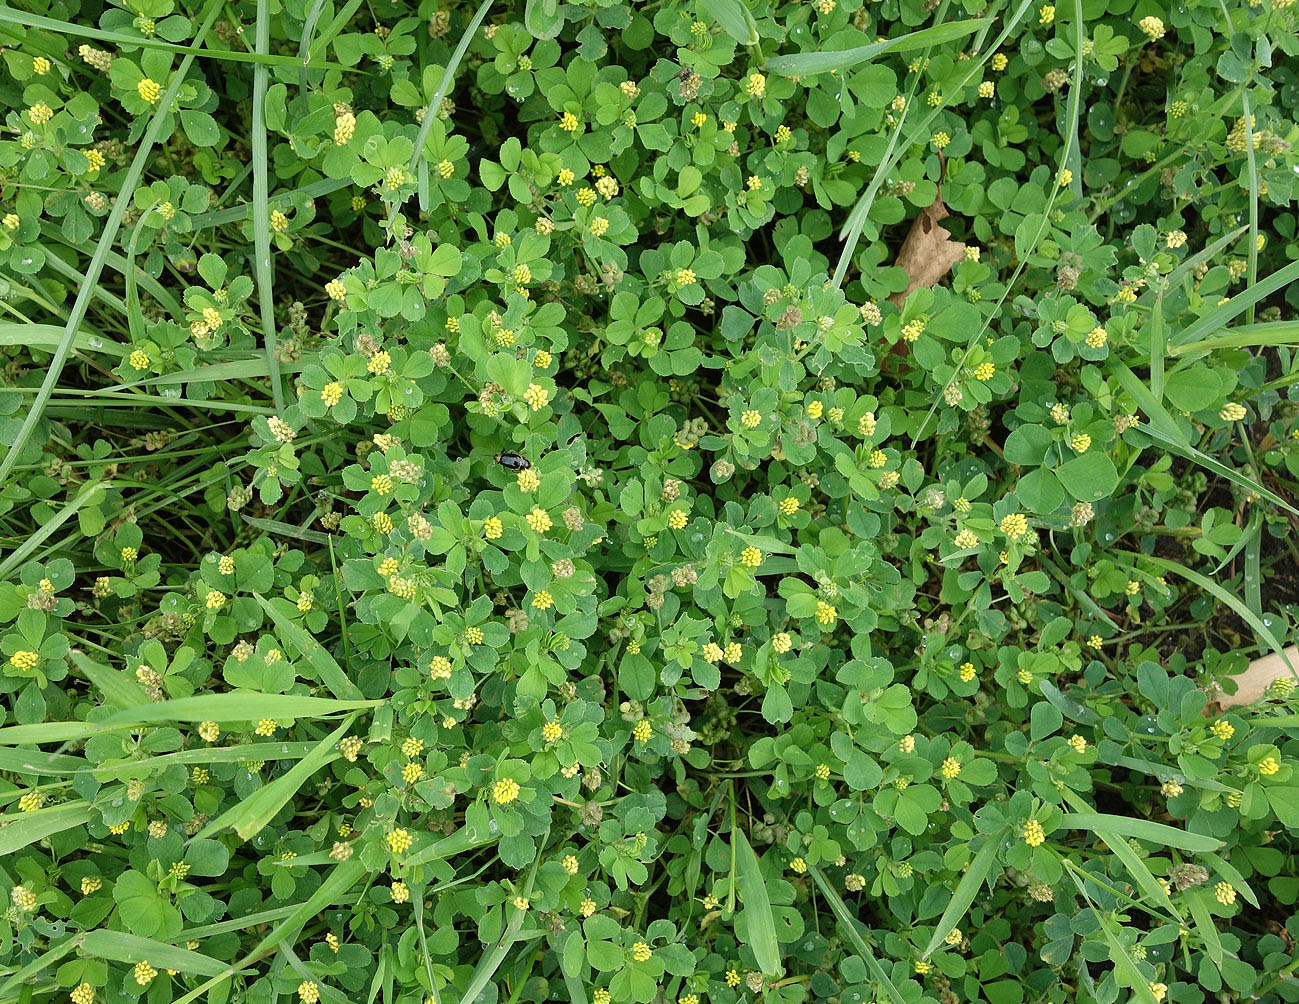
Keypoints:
pixel 694 501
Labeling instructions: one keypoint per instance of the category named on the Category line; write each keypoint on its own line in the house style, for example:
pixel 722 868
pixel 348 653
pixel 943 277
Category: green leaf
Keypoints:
pixel 327 669
pixel 1142 829
pixel 118 946
pixel 1089 477
pixel 735 19
pixel 760 925
pixel 805 64
pixel 969 886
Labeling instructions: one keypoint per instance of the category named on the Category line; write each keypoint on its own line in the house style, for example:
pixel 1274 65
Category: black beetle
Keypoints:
pixel 513 461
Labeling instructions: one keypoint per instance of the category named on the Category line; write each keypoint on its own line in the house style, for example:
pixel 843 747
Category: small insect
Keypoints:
pixel 685 73
pixel 513 461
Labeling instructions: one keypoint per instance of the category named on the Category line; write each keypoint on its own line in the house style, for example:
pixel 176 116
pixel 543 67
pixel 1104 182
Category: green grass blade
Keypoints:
pixel 261 209
pixel 1227 597
pixel 1124 965
pixel 806 64
pixel 1247 336
pixel 970 884
pixel 243 753
pixel 118 946
pixel 327 668
pixel 86 31
pixel 1198 901
pixel 111 226
pixel 47 338
pixel 435 105
pixel 17 831
pixel 116 686
pixel 847 924
pixel 759 923
pixel 1141 829
pixel 735 19
pixel 234 706
pixel 250 816
pixel 89 493
pixel 1218 318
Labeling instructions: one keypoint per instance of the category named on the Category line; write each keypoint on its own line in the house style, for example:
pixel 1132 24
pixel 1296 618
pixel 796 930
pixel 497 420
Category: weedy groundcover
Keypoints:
pixel 693 501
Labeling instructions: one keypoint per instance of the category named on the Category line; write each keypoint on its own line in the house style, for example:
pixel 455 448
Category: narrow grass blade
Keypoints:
pixel 805 64
pixel 492 959
pixel 1247 336
pixel 287 530
pixel 1246 614
pixel 435 105
pixel 17 831
pixel 1137 868
pixel 1198 901
pixel 261 209
pixel 758 920
pixel 234 214
pixel 89 493
pixel 969 886
pixel 329 892
pixel 41 764
pixel 116 686
pixel 1124 966
pixel 22 976
pixel 86 31
pixel 848 925
pixel 1142 829
pixel 735 19
pixel 327 668
pixel 1229 871
pixel 47 337
pixel 250 816
pixel 204 754
pixel 118 946
pixel 111 226
pixel 1217 318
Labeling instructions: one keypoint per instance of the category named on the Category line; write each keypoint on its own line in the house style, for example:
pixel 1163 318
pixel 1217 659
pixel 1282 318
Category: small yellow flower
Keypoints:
pixel 566 177
pixel 643 730
pixel 214 600
pixel 335 290
pixel 641 952
pixel 951 768
pixel 542 599
pixel 308 992
pixel 698 119
pixel 755 84
pixel 505 791
pixel 266 727
pixel 1158 991
pixel 999 61
pixel 528 480
pixel 1224 893
pixel 599 226
pixel 940 140
pixel 138 359
pixel 985 372
pixel 968 672
pixel 1046 15
pixel 445 169
pixel 1222 729
pixel 789 505
pixel 782 642
pixel 987 89
pixel 536 396
pixel 1077 743
pixel 148 90
pixel 712 652
pixel 1014 525
pixel 798 866
pixel 815 409
pixel 493 528
pixel 825 613
pixel 586 909
pixel 1232 412
pixel 1065 177
pixel 144 973
pixel 379 363
pixel 570 864
pixel 539 520
pixel 1097 337
pixel 823 772
pixel 1153 27
pixel 1268 766
pixel 751 557
pixel 568 122
pixel 83 993
pixel 1175 239
pixel 279 222
pixel 1081 442
pixel 685 277
pixel 750 419
pixel 1034 835
pixel 381 484
pixel 677 519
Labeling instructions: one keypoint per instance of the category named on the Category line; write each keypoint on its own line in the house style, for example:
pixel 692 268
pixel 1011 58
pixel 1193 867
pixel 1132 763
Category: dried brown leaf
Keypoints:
pixel 929 252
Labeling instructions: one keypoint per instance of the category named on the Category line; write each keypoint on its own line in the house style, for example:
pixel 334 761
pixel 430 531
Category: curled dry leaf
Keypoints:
pixel 929 252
